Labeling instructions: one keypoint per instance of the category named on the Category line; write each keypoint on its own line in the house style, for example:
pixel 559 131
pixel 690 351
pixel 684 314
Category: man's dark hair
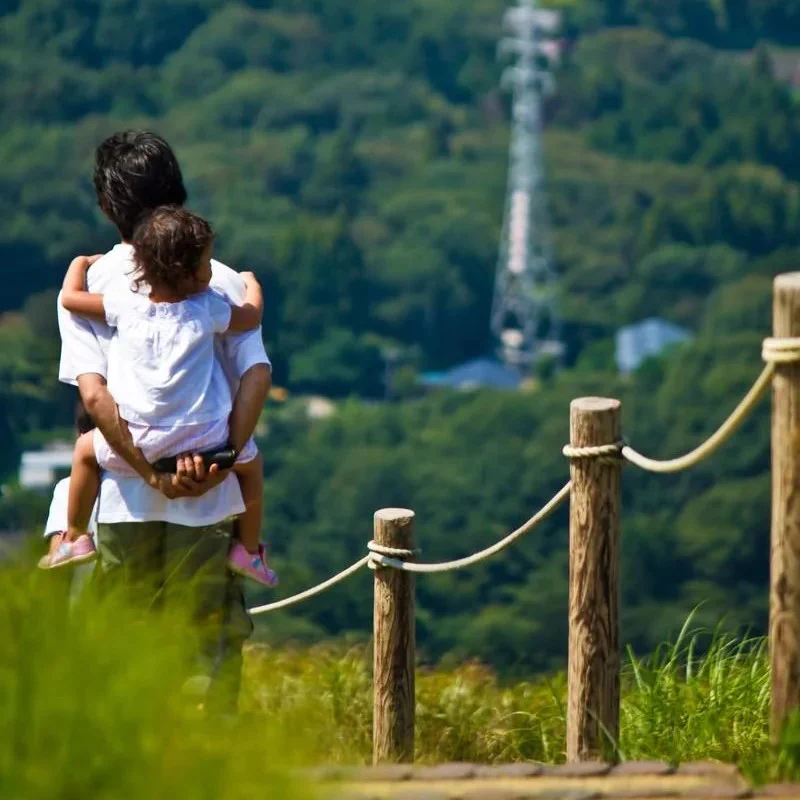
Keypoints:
pixel 135 172
pixel 168 244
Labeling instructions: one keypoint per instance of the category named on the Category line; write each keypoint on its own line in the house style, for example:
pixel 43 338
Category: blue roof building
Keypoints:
pixel 477 374
pixel 635 343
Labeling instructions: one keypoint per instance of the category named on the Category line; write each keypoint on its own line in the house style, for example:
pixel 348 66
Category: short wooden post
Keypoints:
pixel 394 645
pixel 594 659
pixel 784 623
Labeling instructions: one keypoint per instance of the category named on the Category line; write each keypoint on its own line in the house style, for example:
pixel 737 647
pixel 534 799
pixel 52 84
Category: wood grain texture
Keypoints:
pixel 784 623
pixel 594 658
pixel 394 645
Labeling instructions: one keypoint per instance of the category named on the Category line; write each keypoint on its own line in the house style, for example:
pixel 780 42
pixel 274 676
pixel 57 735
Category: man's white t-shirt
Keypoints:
pixel 165 373
pixel 88 346
pixel 57 515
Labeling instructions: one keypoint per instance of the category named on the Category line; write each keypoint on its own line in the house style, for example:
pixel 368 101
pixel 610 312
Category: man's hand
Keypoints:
pixel 102 408
pixel 192 479
pixel 166 484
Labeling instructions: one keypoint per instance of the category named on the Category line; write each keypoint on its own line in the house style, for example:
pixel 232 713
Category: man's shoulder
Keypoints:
pixel 113 267
pixel 227 282
pixel 60 495
pixel 61 487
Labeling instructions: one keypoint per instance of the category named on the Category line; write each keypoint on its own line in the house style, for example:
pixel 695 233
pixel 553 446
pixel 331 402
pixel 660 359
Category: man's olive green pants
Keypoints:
pixel 174 567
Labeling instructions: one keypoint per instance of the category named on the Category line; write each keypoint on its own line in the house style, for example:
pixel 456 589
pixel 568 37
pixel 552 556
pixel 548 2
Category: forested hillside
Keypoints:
pixel 353 155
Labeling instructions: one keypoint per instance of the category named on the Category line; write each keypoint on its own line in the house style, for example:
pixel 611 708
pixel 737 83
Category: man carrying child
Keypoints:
pixel 166 539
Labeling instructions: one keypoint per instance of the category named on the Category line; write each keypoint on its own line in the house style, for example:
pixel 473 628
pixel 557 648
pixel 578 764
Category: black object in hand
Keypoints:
pixel 224 458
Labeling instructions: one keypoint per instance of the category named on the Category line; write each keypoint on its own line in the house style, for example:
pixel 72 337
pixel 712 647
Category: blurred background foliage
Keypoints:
pixel 354 157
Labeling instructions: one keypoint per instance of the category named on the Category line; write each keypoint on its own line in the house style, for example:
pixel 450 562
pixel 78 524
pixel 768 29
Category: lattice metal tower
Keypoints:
pixel 524 319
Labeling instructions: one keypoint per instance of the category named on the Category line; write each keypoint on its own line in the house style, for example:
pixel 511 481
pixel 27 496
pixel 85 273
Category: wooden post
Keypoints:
pixel 784 623
pixel 394 645
pixel 594 659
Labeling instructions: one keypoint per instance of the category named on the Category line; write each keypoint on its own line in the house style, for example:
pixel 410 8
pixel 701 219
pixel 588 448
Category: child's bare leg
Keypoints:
pixel 251 482
pixel 84 484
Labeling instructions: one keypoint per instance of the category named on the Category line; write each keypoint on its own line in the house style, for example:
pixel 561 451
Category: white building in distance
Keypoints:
pixel 42 468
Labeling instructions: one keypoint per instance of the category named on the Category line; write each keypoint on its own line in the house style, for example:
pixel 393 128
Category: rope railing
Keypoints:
pixel 774 351
pixel 593 686
pixel 381 556
pixel 621 450
pixel 378 559
pixel 314 590
pixel 784 350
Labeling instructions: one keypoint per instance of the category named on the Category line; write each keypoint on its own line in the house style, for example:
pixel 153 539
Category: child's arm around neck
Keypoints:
pixel 247 316
pixel 74 296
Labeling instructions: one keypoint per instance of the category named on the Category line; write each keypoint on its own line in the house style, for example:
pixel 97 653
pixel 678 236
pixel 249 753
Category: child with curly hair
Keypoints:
pixel 169 385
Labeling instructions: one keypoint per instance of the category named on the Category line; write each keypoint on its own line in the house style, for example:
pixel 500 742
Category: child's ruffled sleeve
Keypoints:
pixel 219 310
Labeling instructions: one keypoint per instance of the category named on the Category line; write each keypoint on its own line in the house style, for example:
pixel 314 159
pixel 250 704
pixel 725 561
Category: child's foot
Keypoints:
pixel 251 565
pixel 66 552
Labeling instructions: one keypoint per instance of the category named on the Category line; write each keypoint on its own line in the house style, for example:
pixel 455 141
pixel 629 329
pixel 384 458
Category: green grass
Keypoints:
pixel 703 697
pixel 681 706
pixel 91 707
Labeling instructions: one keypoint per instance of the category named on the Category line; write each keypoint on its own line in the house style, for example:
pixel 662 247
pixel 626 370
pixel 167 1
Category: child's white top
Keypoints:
pixel 164 372
pixel 88 346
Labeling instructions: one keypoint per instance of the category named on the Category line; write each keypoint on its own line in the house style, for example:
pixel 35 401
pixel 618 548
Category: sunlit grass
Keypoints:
pixel 686 703
pixel 91 706
pixel 703 697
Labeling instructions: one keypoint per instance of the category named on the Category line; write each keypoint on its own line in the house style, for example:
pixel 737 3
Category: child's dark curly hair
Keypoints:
pixel 168 244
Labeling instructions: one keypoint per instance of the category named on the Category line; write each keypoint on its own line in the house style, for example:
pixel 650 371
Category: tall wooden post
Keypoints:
pixel 394 645
pixel 594 659
pixel 784 624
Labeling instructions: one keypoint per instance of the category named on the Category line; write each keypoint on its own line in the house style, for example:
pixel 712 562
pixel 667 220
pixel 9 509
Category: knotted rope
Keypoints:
pixel 381 560
pixel 393 557
pixel 774 351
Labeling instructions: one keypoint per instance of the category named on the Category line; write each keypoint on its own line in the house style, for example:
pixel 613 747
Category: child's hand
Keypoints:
pixel 84 262
pixel 247 316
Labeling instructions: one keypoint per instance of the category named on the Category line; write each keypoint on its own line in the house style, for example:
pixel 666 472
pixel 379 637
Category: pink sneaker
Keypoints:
pixel 77 552
pixel 251 566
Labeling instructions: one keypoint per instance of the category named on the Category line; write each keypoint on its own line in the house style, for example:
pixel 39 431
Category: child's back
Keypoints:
pixel 165 372
pixel 164 375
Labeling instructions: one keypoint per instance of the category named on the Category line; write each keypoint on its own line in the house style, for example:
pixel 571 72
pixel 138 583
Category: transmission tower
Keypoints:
pixel 525 319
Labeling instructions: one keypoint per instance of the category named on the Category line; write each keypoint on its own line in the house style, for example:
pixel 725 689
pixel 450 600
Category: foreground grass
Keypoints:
pixel 681 704
pixel 91 706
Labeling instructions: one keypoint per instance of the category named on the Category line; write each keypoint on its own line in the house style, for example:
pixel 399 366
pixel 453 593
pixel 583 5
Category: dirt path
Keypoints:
pixel 630 781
